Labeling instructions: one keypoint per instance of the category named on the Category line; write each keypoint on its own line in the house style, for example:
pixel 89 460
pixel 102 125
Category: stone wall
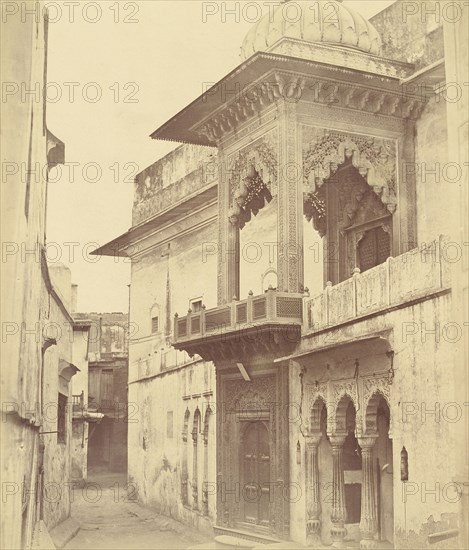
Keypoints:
pixel 411 32
pixel 432 171
pixel 161 446
pixel 421 400
pixel 182 172
pixel 57 454
pixel 108 334
pixel 23 227
pixel 191 276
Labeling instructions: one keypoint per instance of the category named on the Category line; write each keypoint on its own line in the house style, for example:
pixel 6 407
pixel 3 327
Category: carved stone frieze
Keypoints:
pixel 259 394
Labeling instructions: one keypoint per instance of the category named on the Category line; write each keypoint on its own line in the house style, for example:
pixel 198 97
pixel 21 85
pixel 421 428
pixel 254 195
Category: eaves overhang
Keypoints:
pixel 125 244
pixel 184 127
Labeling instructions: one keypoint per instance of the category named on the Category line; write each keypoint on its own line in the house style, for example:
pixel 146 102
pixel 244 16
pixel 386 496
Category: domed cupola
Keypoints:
pixel 326 22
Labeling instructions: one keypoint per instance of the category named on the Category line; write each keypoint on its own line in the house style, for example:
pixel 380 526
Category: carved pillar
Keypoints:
pixel 368 520
pixel 195 491
pixel 404 224
pixel 338 515
pixel 290 201
pixel 228 239
pixel 313 503
pixel 205 485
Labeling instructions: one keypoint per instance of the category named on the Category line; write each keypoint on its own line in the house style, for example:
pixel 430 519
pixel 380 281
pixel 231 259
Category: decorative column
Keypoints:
pixel 290 196
pixel 195 490
pixel 205 486
pixel 368 520
pixel 228 238
pixel 313 503
pixel 338 514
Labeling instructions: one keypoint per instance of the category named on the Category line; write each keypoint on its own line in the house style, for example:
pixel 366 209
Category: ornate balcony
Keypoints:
pixel 264 324
pixel 408 278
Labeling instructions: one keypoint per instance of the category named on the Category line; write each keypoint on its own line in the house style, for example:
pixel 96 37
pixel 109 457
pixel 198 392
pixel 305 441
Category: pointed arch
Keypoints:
pixel 341 412
pixel 371 412
pixel 317 412
pixel 374 158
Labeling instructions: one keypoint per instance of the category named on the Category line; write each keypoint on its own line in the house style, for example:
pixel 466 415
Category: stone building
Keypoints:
pixel 107 390
pixel 304 227
pixel 38 331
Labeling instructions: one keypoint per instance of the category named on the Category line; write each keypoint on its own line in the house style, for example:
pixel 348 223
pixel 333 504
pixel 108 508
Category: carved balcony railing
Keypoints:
pixel 410 277
pixel 259 324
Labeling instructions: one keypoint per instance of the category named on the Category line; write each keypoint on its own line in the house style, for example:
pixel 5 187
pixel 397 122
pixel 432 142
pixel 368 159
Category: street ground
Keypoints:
pixel 109 519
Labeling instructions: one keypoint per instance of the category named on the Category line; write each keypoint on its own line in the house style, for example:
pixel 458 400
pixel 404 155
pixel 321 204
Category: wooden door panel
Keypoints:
pixel 256 474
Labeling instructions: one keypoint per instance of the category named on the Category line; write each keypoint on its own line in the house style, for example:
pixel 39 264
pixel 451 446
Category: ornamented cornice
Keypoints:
pixel 296 87
pixel 250 103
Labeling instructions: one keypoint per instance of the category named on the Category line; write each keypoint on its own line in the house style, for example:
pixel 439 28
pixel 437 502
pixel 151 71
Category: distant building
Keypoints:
pixel 107 390
pixel 302 246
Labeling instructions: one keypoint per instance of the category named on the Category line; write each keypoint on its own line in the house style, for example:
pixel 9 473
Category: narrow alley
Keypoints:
pixel 110 518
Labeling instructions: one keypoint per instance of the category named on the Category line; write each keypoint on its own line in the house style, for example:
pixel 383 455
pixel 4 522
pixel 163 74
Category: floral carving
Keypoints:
pixel 374 158
pixel 253 181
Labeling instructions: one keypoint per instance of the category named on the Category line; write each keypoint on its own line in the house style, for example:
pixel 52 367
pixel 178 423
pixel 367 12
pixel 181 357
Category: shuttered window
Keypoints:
pixel 373 249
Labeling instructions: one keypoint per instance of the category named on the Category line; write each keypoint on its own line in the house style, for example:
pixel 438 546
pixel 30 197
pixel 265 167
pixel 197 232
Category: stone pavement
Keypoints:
pixel 110 520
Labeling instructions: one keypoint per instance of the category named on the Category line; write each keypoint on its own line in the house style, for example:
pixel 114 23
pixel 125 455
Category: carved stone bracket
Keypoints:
pixel 252 175
pixel 250 103
pixel 250 197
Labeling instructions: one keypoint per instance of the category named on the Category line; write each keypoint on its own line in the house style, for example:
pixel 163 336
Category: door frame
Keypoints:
pixel 261 417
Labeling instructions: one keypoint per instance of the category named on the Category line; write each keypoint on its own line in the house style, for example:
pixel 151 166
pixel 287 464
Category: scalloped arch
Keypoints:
pixel 363 160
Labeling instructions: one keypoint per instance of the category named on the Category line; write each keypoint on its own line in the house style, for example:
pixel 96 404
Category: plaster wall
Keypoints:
pixel 435 177
pixel 191 275
pixel 156 446
pixel 23 213
pixel 57 454
pixel 422 411
pixel 412 31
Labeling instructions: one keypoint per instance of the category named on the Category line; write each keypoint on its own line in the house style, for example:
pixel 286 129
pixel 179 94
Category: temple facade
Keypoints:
pixel 292 371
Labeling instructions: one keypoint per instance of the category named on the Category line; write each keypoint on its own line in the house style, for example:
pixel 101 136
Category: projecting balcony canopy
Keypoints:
pixel 258 325
pixel 358 80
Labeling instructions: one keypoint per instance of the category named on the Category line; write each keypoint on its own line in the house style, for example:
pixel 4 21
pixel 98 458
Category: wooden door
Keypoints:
pixel 255 455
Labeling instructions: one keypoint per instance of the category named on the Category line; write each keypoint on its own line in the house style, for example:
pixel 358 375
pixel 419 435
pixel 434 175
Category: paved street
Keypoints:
pixel 112 521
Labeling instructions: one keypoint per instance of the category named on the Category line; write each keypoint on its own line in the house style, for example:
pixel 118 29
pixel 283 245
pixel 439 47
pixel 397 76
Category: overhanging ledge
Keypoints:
pixel 383 338
pixel 243 345
pixel 229 95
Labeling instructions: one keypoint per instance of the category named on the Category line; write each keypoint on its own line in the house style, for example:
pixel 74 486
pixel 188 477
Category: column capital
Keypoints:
pixel 367 441
pixel 313 438
pixel 337 439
